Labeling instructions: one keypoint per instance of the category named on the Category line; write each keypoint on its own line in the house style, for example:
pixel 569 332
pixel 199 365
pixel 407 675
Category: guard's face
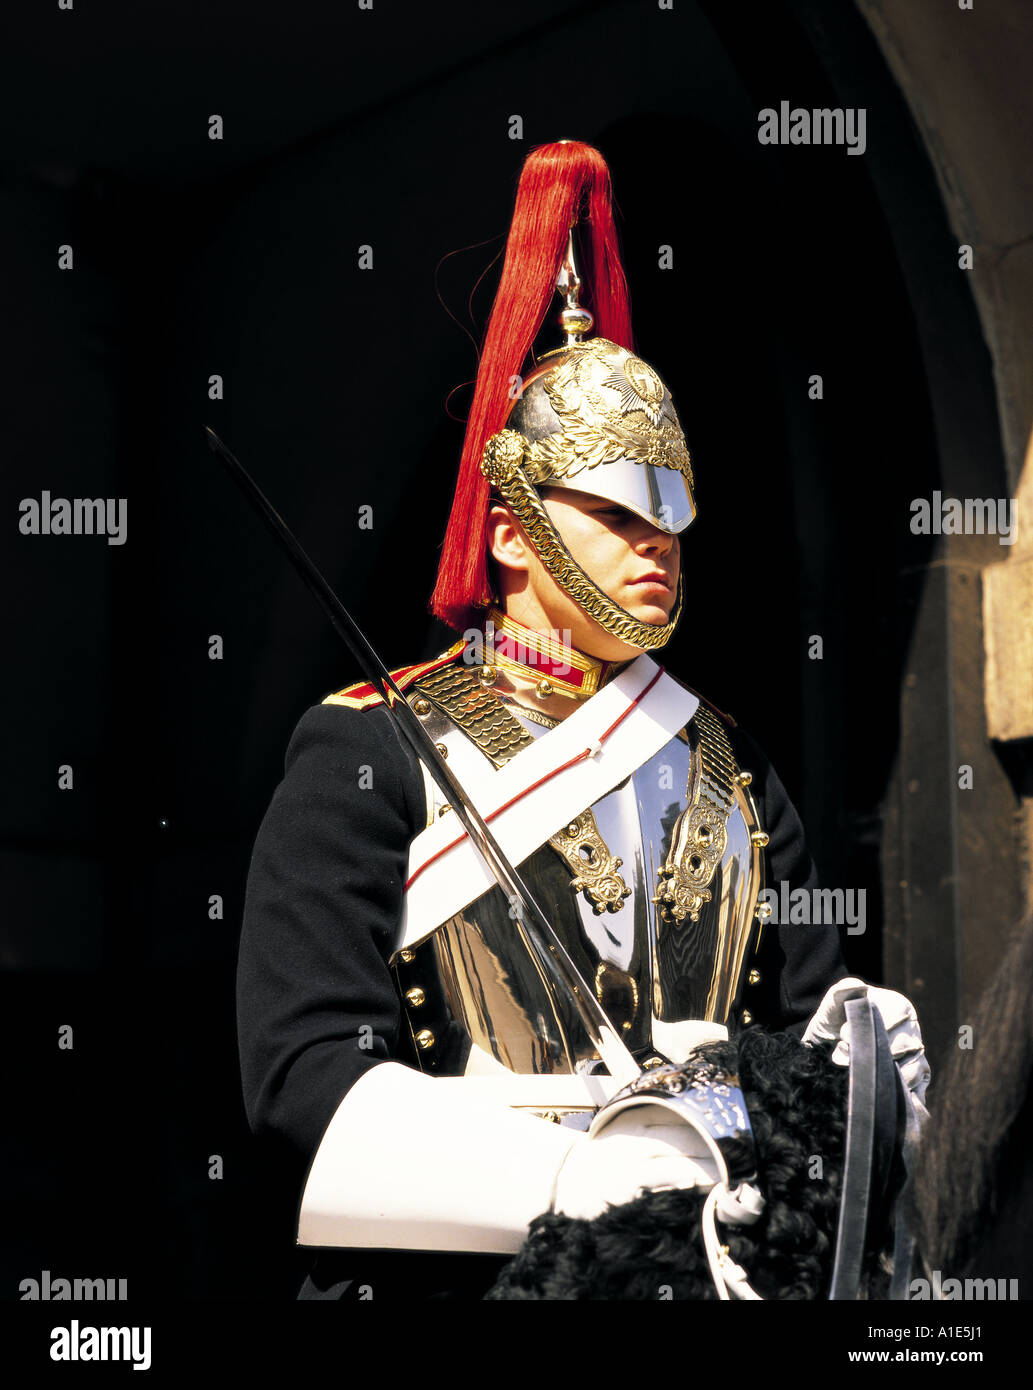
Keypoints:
pixel 632 561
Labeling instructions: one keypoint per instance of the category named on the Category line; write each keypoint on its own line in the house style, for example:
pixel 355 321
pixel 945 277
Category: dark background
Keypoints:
pixel 239 257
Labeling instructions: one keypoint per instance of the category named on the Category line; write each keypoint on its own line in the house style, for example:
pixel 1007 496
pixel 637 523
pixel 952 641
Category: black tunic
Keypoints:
pixel 316 1002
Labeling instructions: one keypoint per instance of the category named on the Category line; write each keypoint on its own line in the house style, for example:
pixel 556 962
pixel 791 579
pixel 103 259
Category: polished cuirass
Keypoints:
pixel 653 891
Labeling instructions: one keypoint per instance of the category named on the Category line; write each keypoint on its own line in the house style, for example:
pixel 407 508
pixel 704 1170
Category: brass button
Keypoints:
pixel 762 912
pixel 747 1018
pixel 442 749
pixel 652 1062
pixel 406 956
pixel 488 675
pixel 744 778
pixel 443 808
pixel 544 689
pixel 754 977
pixel 421 706
pixel 415 996
pixel 425 1039
pixel 551 1115
pixel 760 838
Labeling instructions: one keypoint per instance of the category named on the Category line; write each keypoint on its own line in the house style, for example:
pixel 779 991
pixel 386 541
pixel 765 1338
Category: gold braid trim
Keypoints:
pixel 503 469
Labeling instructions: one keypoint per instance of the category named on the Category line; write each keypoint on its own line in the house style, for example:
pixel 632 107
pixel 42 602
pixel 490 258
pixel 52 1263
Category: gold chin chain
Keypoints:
pixel 502 467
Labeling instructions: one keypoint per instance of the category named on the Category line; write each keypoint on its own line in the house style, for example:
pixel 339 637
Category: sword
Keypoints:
pixel 538 934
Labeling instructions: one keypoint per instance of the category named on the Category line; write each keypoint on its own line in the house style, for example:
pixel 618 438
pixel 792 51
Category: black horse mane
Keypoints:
pixel 975 1150
pixel 651 1248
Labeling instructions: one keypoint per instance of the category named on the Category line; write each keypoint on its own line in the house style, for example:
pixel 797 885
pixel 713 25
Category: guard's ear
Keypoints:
pixel 507 542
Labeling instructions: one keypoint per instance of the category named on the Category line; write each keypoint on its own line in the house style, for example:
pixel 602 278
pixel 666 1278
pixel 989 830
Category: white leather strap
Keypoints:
pixel 742 1207
pixel 446 873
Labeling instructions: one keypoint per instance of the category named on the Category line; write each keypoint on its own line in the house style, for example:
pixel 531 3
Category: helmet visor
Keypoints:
pixel 659 495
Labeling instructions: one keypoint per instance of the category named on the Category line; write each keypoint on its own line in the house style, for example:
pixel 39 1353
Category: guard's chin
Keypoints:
pixel 655 614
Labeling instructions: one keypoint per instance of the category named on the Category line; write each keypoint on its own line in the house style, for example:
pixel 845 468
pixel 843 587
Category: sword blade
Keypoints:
pixel 531 921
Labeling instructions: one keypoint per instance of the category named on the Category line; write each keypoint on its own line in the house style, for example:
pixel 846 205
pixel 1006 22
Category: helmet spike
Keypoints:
pixel 574 320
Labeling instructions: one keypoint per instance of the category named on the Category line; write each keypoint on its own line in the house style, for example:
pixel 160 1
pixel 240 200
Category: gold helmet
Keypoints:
pixel 590 416
pixel 596 419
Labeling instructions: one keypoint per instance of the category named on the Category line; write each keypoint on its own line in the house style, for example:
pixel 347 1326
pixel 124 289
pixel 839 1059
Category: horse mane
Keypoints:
pixel 974 1149
pixel 651 1248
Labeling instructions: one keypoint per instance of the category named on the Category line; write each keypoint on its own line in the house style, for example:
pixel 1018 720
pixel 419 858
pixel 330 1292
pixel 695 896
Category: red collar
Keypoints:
pixel 523 651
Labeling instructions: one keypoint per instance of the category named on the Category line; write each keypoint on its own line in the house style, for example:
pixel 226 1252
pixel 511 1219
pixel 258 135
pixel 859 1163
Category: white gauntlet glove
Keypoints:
pixel 898 1014
pixel 643 1148
pixel 665 1131
pixel 416 1162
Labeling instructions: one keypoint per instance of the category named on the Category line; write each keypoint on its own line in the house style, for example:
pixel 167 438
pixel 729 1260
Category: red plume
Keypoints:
pixel 555 182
